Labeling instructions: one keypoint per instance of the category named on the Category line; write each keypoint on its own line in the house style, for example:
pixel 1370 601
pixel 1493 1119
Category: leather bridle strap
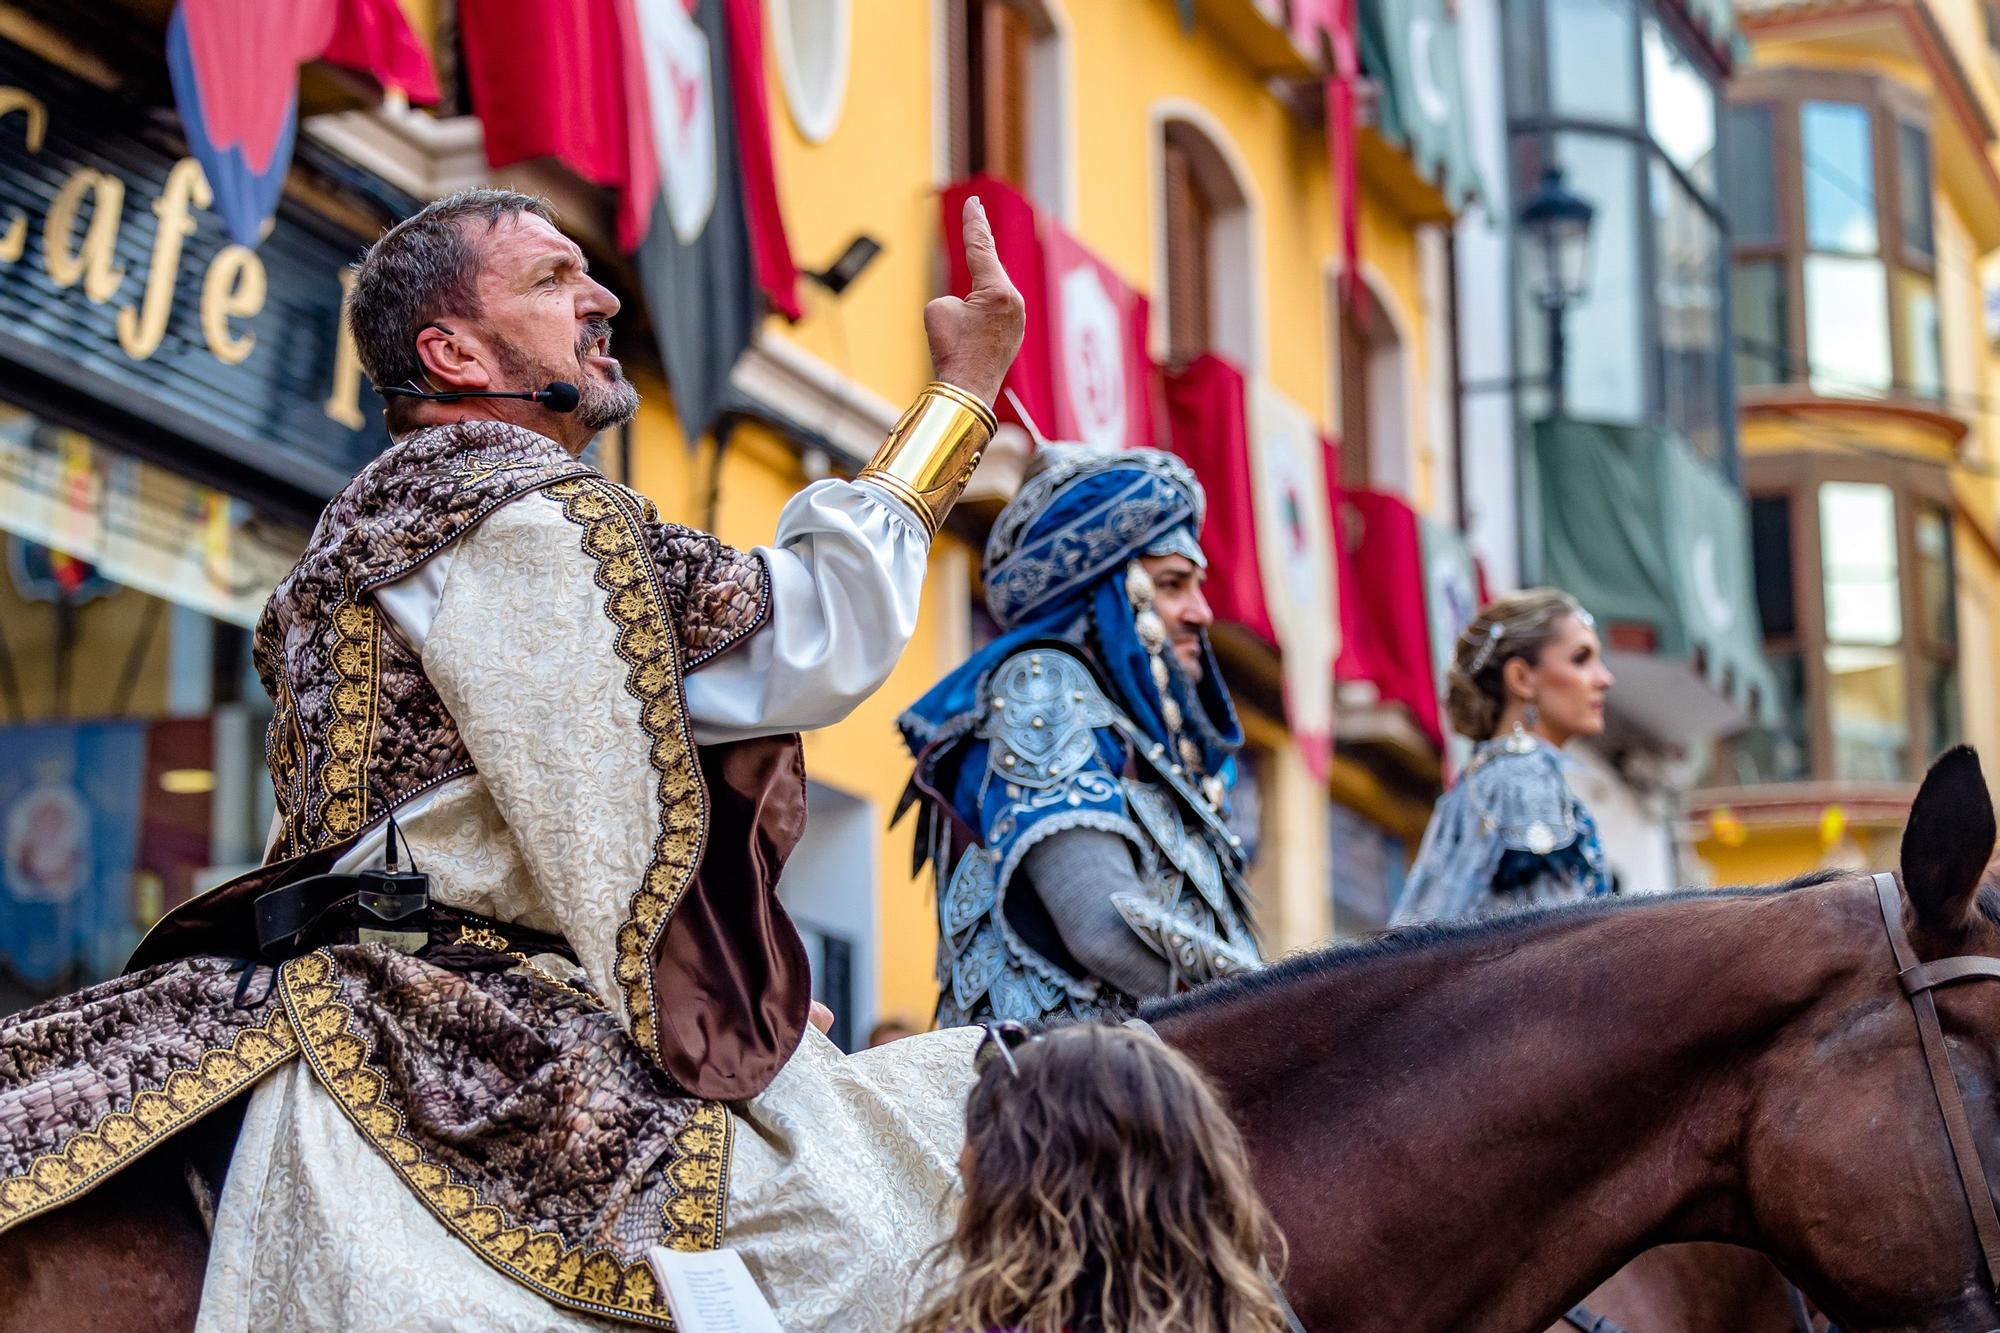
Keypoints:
pixel 1917 980
pixel 1587 1319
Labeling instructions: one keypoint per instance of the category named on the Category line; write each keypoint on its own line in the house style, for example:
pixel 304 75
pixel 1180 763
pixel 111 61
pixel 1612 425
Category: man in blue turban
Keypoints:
pixel 1073 772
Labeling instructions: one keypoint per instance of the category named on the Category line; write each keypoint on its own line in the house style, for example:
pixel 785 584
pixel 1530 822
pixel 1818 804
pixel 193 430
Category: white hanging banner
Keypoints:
pixel 1295 557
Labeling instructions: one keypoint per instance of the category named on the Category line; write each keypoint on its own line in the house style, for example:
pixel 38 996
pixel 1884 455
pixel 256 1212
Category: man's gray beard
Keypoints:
pixel 602 406
pixel 598 406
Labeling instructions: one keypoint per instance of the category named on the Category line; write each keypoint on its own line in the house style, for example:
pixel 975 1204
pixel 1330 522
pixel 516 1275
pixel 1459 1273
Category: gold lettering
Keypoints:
pixel 140 329
pixel 343 404
pixel 235 285
pixel 14 240
pixel 93 262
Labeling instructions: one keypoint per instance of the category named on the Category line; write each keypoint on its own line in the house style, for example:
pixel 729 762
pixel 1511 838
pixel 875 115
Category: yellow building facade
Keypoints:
pixel 1864 375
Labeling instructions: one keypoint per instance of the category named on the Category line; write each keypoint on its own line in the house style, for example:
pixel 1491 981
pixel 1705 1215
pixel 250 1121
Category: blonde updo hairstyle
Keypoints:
pixel 1519 625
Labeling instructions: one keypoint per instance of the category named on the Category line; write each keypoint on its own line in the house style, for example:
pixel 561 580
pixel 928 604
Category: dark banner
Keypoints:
pixel 119 288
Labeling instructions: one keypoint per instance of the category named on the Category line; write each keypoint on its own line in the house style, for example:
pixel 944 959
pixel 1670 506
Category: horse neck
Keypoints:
pixel 1530 1102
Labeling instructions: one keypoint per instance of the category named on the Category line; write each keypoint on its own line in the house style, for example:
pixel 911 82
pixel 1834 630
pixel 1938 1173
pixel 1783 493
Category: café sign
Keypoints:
pixel 117 283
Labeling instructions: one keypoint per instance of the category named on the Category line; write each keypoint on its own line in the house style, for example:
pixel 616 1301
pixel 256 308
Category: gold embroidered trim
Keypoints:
pixel 343 773
pixel 595 1281
pixel 188 1093
pixel 285 756
pixel 700 1176
pixel 615 541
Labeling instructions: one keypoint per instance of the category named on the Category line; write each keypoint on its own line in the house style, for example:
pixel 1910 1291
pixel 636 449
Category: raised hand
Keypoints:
pixel 974 339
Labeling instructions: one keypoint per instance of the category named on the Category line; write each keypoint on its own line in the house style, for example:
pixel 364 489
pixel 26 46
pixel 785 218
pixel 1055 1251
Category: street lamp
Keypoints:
pixel 1556 262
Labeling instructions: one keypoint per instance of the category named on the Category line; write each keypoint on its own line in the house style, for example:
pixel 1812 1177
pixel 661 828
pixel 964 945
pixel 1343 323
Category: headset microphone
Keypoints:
pixel 559 396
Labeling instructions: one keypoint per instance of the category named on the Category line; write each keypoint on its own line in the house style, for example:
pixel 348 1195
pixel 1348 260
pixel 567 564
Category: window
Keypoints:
pixel 1749 187
pixel 1937 626
pixel 1913 187
pixel 1839 168
pixel 1190 217
pixel 1586 76
pixel 1373 450
pixel 1763 335
pixel 1834 287
pixel 813 39
pixel 1008 95
pixel 1612 95
pixel 1857 599
pixel 131 719
pixel 1680 107
pixel 1208 262
pixel 1687 298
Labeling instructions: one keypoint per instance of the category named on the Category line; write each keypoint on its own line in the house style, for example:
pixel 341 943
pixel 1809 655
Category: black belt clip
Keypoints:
pixel 388 906
pixel 393 908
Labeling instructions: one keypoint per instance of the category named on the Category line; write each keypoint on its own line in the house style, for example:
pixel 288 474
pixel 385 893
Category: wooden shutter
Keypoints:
pixel 1189 221
pixel 1005 41
pixel 1354 424
pixel 962 77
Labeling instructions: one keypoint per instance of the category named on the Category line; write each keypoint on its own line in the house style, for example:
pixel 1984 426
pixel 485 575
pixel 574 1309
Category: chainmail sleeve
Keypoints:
pixel 1075 873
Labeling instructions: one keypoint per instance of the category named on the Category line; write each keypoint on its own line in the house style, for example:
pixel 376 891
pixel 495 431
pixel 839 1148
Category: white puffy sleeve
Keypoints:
pixel 847 573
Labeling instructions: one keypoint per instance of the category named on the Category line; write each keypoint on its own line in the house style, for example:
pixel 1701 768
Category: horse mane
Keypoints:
pixel 1402 940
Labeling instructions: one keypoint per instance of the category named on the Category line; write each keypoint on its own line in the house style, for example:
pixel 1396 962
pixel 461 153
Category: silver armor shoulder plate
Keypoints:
pixel 1041 718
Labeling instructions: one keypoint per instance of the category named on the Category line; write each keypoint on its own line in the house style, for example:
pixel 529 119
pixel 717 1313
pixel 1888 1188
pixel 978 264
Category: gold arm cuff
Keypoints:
pixel 929 456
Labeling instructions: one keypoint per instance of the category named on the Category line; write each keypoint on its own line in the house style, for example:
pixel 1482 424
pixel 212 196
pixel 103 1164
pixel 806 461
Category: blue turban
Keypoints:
pixel 1055 569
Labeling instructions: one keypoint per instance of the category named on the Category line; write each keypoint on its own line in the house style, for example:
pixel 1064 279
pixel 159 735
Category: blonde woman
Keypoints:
pixel 1527 677
pixel 1105 1192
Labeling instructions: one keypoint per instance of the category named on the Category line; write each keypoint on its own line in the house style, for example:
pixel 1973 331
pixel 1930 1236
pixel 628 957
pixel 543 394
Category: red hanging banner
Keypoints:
pixel 1206 427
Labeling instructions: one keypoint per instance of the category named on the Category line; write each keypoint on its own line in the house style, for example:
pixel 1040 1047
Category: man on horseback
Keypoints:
pixel 1073 772
pixel 542 746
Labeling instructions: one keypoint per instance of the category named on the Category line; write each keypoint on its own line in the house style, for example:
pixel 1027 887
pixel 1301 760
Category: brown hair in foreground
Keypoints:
pixel 1106 1192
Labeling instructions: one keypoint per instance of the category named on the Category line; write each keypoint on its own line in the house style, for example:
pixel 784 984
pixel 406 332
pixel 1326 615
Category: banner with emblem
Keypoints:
pixel 1294 530
pixel 1098 335
pixel 69 838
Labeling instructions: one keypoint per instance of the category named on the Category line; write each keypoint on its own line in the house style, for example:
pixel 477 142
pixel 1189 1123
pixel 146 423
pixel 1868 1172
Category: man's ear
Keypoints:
pixel 452 359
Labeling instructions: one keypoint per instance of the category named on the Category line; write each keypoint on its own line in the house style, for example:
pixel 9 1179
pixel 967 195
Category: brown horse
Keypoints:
pixel 1469 1127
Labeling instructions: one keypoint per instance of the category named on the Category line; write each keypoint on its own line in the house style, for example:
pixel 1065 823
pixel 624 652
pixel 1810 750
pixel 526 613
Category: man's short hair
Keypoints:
pixel 424 268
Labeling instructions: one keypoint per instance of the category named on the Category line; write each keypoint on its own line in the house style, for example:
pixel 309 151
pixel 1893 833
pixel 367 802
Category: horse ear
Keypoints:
pixel 1948 840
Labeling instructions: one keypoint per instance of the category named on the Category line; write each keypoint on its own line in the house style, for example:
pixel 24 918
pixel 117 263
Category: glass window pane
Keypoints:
pixel 1839 177
pixel 1913 185
pixel 1606 373
pixel 1771 561
pixel 1867 712
pixel 1780 753
pixel 1688 301
pixel 1941 705
pixel 1937 583
pixel 1750 187
pixel 1857 552
pixel 131 759
pixel 1680 106
pixel 1757 306
pixel 1847 326
pixel 1923 352
pixel 1593 67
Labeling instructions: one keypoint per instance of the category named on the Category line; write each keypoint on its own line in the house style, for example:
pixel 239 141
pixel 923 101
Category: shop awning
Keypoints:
pixel 1656 545
pixel 1411 47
